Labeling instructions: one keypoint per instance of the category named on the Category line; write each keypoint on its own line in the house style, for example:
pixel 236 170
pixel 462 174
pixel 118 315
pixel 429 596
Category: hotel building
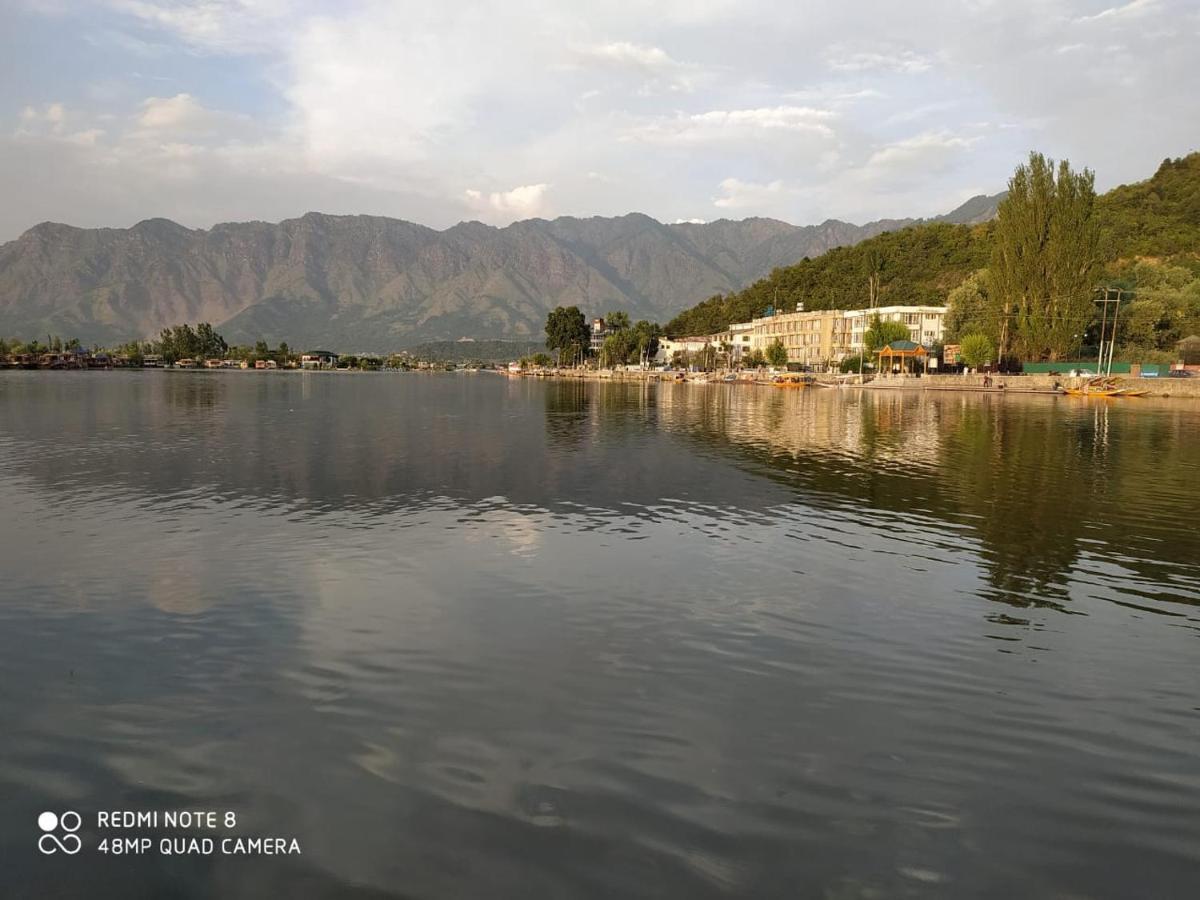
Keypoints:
pixel 825 337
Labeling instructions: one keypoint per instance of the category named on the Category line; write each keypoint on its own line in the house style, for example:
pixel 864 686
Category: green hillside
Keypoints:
pixel 1155 218
pixel 1142 225
pixel 916 265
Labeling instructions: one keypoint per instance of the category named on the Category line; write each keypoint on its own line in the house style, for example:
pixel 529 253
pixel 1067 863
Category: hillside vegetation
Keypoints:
pixel 1155 218
pixel 916 265
pixel 1149 241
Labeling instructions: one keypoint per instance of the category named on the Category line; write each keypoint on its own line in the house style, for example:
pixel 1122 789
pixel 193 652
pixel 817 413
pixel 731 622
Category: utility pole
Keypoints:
pixel 1105 359
pixel 1103 325
pixel 1112 344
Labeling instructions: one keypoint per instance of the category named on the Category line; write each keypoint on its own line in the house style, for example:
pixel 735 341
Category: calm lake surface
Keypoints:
pixel 465 636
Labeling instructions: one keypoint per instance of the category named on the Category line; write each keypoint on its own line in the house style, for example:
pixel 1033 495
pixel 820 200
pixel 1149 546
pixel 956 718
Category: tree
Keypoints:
pixel 873 265
pixel 705 359
pixel 855 364
pixel 645 339
pixel 1165 308
pixel 566 331
pixel 777 354
pixel 882 333
pixel 976 350
pixel 754 359
pixel 209 344
pixel 1044 258
pixel 617 321
pixel 618 348
pixel 971 309
pixel 261 350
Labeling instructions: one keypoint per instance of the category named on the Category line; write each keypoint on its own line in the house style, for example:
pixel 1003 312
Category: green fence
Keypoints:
pixel 1085 365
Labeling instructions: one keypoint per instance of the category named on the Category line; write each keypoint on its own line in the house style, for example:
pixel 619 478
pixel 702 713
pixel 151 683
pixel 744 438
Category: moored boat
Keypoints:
pixel 792 380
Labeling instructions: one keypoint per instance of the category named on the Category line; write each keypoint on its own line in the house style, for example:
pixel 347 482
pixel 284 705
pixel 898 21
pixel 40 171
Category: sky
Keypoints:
pixel 206 111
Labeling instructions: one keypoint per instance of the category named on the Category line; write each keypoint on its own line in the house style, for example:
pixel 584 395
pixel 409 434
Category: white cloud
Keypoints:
pixel 928 152
pixel 524 202
pixel 263 108
pixel 652 65
pixel 181 112
pixel 907 62
pixel 49 123
pixel 748 195
pixel 734 124
pixel 221 26
pixel 1133 9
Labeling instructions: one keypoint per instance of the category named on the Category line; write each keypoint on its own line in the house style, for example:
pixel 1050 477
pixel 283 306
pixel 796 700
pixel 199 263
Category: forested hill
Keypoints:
pixel 1158 219
pixel 916 265
pixel 1155 218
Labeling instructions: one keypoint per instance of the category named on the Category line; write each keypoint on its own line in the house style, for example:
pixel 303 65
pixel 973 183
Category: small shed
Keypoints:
pixel 1189 350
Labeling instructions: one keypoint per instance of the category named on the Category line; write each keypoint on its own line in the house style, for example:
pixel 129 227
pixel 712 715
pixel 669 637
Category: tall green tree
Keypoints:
pixel 1044 259
pixel 882 333
pixel 566 331
pixel 971 310
pixel 777 354
pixel 209 344
pixel 873 265
pixel 617 321
pixel 618 348
pixel 645 338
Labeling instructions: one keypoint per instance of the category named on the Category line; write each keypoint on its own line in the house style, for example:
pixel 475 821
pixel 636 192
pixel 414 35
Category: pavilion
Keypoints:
pixel 899 351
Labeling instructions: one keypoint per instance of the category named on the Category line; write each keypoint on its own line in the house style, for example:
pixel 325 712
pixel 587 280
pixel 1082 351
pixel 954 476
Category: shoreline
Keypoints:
pixel 1035 384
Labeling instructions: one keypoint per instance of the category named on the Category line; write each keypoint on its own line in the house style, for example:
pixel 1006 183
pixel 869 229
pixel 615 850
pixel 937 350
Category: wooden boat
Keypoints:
pixel 792 381
pixel 1104 388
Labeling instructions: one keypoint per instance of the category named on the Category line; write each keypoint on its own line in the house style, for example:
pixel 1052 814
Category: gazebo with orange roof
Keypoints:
pixel 901 350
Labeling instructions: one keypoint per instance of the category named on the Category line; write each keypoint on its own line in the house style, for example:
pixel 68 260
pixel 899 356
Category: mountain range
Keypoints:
pixel 374 283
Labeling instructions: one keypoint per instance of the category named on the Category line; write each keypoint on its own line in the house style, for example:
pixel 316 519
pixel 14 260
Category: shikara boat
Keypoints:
pixel 1104 388
pixel 792 381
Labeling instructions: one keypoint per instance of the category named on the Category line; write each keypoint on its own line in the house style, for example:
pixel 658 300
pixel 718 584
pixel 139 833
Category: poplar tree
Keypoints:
pixel 1044 259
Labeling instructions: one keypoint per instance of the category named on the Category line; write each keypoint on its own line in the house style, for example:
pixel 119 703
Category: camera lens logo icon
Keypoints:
pixel 50 842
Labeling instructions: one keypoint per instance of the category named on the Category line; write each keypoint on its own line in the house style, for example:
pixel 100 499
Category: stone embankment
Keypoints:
pixel 1155 387
pixel 1017 384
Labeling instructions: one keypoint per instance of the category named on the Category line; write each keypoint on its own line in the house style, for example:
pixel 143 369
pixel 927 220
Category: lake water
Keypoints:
pixel 465 636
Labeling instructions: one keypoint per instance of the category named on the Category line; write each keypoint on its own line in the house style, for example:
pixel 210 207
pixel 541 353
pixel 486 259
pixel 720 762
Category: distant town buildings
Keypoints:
pixel 318 359
pixel 599 331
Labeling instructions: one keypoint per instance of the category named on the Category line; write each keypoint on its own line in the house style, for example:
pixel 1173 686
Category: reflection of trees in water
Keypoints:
pixel 1039 481
pixel 1031 478
pixel 1022 477
pixel 567 409
pixel 195 390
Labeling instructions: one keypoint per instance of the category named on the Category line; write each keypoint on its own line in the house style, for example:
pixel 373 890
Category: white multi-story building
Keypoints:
pixel 926 324
pixel 825 337
pixel 668 347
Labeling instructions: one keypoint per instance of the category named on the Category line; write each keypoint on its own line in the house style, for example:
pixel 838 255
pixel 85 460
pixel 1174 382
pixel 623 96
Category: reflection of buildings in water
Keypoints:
pixel 898 429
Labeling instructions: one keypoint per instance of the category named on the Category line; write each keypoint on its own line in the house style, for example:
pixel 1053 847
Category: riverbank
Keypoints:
pixel 1188 388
